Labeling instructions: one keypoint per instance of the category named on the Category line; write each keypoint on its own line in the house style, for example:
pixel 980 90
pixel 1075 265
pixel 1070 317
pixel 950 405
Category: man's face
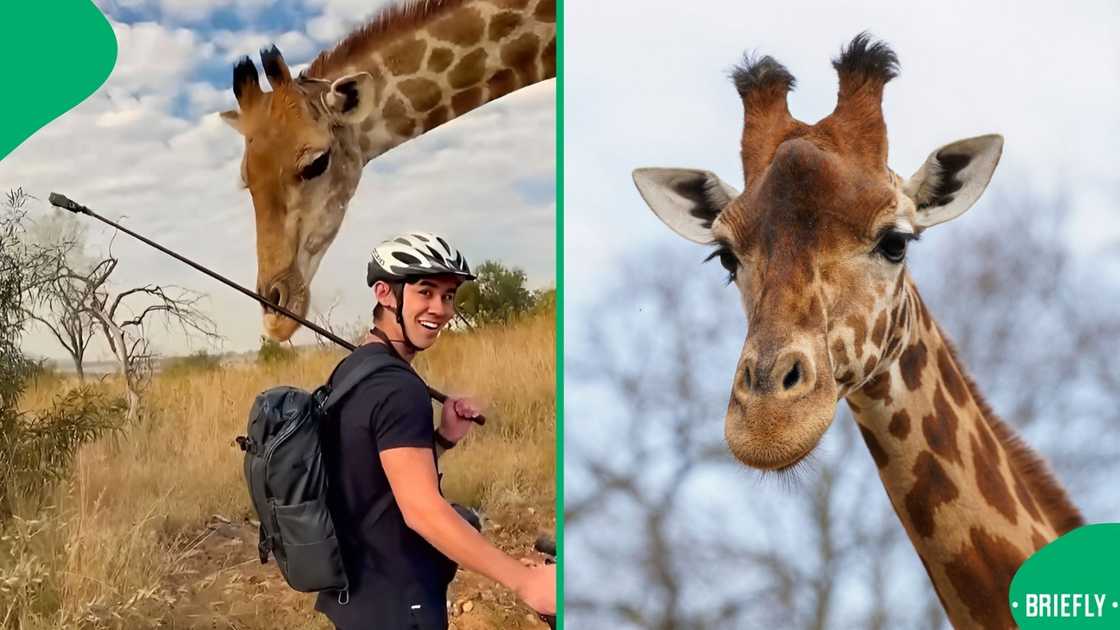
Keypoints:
pixel 428 305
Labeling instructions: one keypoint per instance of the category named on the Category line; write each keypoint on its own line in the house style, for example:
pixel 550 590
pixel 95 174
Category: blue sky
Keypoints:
pixel 149 149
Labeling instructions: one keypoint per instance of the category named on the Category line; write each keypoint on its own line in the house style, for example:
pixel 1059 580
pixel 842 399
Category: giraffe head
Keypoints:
pixel 816 245
pixel 302 163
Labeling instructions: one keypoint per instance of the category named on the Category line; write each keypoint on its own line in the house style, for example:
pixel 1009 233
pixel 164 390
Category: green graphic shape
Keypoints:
pixel 1075 581
pixel 58 52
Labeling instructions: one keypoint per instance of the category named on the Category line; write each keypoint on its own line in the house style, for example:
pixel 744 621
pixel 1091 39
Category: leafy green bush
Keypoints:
pixel 36 450
pixel 273 352
pixel 499 295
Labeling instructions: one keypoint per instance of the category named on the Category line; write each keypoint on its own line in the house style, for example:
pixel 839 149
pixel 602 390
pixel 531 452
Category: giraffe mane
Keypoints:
pixel 387 23
pixel 1035 473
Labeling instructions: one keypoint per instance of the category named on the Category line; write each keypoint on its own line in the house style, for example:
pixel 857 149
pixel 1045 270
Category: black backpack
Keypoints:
pixel 288 483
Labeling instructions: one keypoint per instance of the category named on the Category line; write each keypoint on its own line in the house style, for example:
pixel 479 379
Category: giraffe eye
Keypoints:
pixel 728 260
pixel 317 167
pixel 892 245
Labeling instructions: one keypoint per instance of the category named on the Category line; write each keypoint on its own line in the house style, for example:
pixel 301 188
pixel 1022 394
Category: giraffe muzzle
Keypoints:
pixel 780 406
pixel 289 292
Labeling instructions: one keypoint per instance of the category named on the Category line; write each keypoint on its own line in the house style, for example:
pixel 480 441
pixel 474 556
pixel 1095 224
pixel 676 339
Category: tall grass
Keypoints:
pixel 118 545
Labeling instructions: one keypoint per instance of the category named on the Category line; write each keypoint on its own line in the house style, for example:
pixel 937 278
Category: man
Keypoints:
pixel 400 560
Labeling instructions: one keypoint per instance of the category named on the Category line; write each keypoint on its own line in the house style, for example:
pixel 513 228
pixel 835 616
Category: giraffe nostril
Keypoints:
pixel 747 377
pixel 793 376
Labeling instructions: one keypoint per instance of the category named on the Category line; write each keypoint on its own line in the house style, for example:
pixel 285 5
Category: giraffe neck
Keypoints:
pixel 435 62
pixel 974 500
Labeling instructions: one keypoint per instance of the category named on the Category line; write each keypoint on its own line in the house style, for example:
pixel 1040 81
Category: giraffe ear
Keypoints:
pixel 953 178
pixel 233 119
pixel 687 200
pixel 352 98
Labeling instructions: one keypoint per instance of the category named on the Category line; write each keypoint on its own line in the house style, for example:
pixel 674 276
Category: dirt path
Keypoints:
pixel 220 583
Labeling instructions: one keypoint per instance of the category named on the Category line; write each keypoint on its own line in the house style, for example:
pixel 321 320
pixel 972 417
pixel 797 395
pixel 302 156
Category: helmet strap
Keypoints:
pixel 398 291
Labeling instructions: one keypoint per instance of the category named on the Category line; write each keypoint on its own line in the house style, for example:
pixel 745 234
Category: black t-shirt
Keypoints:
pixel 397 579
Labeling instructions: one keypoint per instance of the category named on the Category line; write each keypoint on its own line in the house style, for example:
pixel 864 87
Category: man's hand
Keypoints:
pixel 538 589
pixel 455 420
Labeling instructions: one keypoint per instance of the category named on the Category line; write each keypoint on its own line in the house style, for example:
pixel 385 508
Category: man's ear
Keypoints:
pixel 352 98
pixel 383 294
pixel 687 200
pixel 953 178
pixel 233 119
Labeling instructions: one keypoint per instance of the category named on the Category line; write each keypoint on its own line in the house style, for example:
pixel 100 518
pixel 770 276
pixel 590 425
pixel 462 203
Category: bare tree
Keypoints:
pixel 705 543
pixel 122 317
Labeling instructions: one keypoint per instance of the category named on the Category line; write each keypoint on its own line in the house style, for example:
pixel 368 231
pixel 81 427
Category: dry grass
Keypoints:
pixel 121 545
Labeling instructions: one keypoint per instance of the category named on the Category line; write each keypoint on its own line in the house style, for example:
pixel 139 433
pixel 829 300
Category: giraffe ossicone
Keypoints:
pixel 413 67
pixel 816 245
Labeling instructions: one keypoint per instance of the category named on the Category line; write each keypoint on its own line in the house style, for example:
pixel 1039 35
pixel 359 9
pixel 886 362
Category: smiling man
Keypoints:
pixel 400 537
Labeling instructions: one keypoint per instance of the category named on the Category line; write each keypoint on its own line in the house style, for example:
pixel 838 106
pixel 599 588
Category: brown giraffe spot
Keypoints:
pixel 503 24
pixel 438 116
pixel 469 70
pixel 394 108
pixel 403 126
pixel 440 59
pixel 423 93
pixel 465 101
pixel 546 11
pixel 1026 499
pixel 900 424
pixel 510 4
pixel 365 144
pixel 951 377
pixel 987 441
pixel 940 428
pixel 877 452
pixel 463 27
pixel 990 481
pixel 846 377
pixel 367 124
pixel 859 332
pixel 869 366
pixel 405 58
pixel 521 55
pixel 911 364
pixel 982 576
pixel 880 329
pixel 1038 540
pixel 548 56
pixel 503 82
pixel 879 388
pixel 932 487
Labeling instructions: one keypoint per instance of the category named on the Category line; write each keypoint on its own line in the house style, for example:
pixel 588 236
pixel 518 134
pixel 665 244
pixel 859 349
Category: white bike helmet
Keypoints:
pixel 409 256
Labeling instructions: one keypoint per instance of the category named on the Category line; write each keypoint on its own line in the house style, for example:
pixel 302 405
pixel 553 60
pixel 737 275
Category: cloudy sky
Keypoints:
pixel 656 93
pixel 149 149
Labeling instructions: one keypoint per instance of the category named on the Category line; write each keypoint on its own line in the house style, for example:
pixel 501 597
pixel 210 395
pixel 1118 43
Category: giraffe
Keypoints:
pixel 413 67
pixel 816 245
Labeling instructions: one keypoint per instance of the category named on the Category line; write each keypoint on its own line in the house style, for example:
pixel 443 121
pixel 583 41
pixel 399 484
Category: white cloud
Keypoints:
pixel 339 17
pixel 233 44
pixel 152 57
pixel 184 11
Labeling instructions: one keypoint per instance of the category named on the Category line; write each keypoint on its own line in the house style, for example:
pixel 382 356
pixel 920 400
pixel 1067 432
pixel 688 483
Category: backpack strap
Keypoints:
pixel 364 370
